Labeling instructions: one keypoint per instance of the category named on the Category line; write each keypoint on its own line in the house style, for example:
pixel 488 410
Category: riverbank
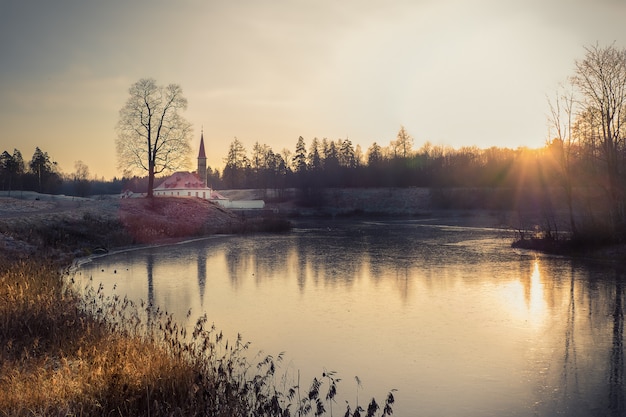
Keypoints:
pixel 72 227
pixel 65 353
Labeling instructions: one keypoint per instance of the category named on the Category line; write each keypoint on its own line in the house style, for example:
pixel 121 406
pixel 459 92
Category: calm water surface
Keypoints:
pixel 452 317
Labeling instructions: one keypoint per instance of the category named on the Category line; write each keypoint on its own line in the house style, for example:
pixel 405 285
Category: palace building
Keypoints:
pixel 189 184
pixel 194 184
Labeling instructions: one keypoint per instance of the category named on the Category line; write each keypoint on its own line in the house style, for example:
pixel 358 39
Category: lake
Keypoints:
pixel 452 317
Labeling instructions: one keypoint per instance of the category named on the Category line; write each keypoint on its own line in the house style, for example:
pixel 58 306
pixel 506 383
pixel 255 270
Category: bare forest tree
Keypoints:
pixel 563 147
pixel 403 143
pixel 153 136
pixel 601 79
pixel 81 178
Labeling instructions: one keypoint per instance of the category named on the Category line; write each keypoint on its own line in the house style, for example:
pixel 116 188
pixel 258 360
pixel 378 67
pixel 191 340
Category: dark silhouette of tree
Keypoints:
pixel 601 80
pixel 11 167
pixel 562 148
pixel 347 156
pixel 279 173
pixel 403 143
pixel 81 179
pixel 300 157
pixel 152 135
pixel 20 167
pixel 214 179
pixel 331 165
pixel 236 165
pixel 259 154
pixel 374 155
pixel 42 168
pixel 315 157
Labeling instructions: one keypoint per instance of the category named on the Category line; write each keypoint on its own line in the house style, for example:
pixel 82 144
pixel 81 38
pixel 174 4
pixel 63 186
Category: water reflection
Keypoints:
pixel 201 263
pixel 526 296
pixel 453 318
pixel 616 376
pixel 150 275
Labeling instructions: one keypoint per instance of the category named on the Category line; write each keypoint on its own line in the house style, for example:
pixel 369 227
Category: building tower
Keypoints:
pixel 202 161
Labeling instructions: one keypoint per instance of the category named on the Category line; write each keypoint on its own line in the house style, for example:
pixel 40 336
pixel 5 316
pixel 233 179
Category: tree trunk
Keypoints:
pixel 150 193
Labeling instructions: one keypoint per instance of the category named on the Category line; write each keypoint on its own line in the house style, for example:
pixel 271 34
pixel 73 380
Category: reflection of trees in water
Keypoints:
pixel 594 313
pixel 329 261
pixel 301 265
pixel 569 376
pixel 234 260
pixel 334 260
pixel 149 273
pixel 616 374
pixel 341 256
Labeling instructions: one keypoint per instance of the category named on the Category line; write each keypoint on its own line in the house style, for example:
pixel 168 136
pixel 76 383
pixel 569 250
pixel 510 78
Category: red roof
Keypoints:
pixel 182 180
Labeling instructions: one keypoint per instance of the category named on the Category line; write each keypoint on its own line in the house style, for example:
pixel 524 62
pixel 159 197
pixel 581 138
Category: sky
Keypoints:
pixel 452 72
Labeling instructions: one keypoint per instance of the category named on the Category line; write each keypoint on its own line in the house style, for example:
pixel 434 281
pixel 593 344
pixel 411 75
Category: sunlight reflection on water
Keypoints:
pixel 452 317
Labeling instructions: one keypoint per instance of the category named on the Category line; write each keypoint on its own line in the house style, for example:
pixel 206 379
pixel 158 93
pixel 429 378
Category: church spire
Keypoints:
pixel 201 154
pixel 202 160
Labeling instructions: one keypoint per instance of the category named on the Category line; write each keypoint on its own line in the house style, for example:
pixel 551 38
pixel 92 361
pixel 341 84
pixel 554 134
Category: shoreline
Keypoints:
pixel 80 261
pixel 133 222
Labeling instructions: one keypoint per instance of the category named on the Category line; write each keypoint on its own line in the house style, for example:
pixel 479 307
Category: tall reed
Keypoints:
pixel 70 351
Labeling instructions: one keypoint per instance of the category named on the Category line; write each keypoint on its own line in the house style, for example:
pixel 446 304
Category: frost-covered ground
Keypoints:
pixel 34 220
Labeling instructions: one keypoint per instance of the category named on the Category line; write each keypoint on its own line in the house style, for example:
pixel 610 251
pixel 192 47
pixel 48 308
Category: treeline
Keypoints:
pixel 327 163
pixel 41 174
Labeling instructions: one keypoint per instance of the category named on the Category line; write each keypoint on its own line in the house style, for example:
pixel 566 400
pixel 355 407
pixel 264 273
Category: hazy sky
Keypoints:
pixel 453 72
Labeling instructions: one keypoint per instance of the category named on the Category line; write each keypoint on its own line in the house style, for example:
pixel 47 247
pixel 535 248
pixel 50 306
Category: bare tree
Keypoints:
pixel 404 142
pixel 81 178
pixel 152 134
pixel 601 79
pixel 562 147
pixel 81 171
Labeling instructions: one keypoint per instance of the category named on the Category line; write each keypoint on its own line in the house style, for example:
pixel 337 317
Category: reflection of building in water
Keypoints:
pixel 194 184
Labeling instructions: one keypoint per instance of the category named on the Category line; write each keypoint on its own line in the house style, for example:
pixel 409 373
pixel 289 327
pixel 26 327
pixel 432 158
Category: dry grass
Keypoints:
pixel 74 351
pixel 57 359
